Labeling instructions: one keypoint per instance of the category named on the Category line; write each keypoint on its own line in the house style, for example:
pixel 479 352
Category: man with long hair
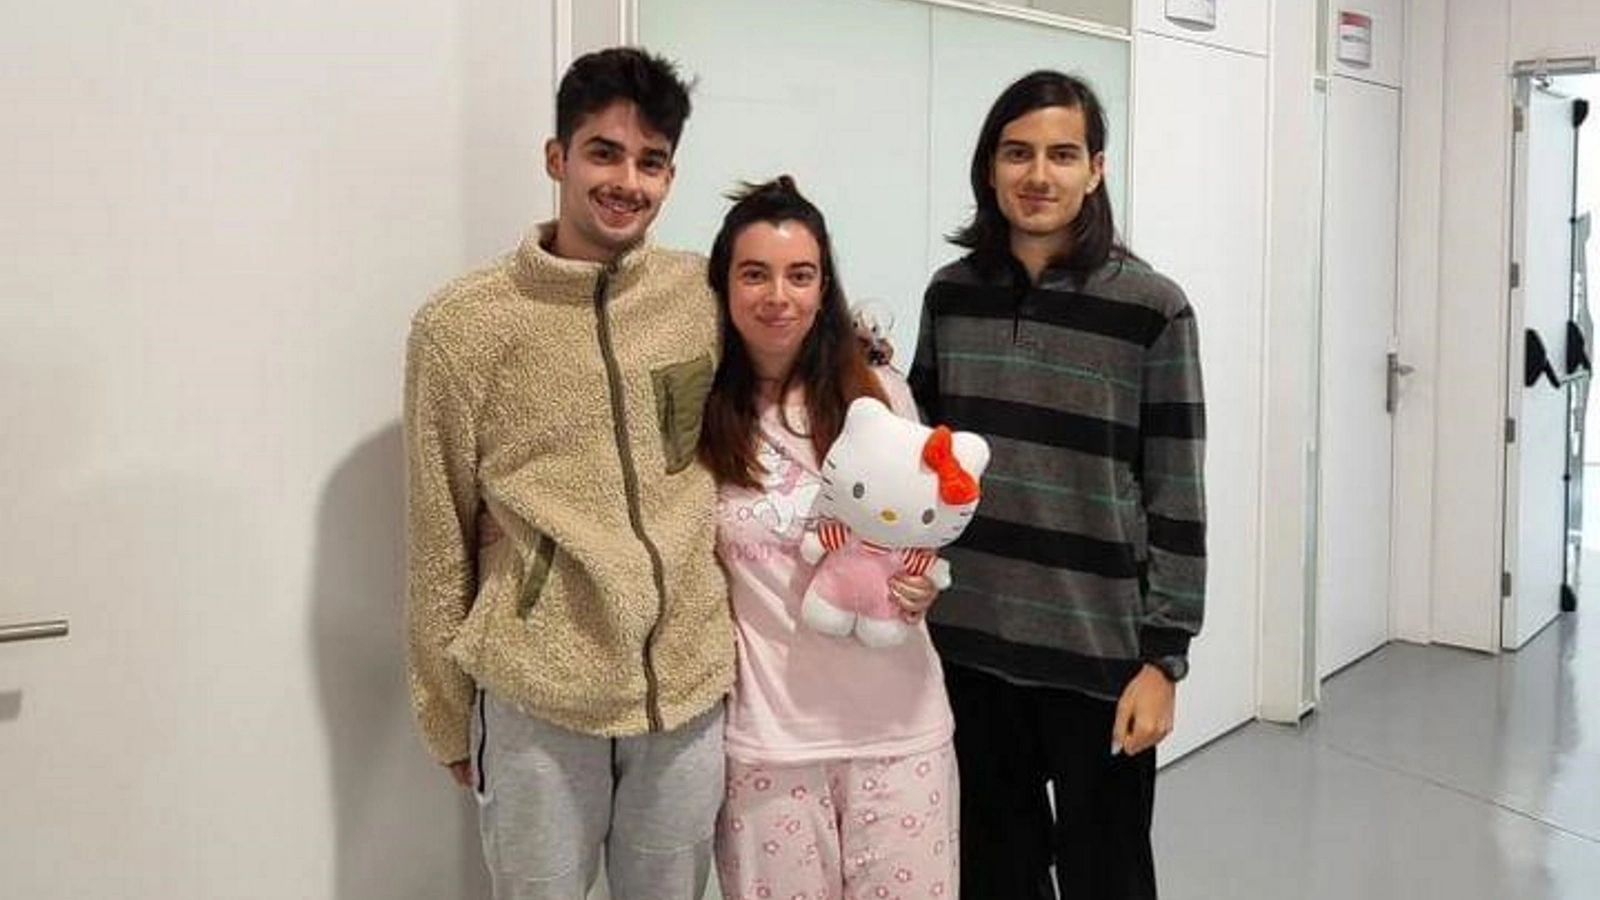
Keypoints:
pixel 1080 582
pixel 569 636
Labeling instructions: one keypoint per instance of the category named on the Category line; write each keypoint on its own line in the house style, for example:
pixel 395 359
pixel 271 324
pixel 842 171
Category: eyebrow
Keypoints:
pixel 602 143
pixel 652 153
pixel 1060 145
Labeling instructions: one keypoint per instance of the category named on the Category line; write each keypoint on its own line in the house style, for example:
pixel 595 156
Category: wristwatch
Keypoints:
pixel 1174 667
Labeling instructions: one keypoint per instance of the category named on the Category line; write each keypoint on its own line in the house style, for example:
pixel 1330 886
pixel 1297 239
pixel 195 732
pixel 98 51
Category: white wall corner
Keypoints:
pixel 1293 162
pixel 1469 390
pixel 1417 320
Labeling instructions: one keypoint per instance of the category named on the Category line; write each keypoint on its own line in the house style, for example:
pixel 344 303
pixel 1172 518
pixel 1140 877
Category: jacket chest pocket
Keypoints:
pixel 681 390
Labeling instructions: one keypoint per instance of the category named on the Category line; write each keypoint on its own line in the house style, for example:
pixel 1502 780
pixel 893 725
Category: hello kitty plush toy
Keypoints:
pixel 892 492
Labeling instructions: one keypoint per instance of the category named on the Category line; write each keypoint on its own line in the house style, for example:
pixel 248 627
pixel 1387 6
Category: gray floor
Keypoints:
pixel 1426 772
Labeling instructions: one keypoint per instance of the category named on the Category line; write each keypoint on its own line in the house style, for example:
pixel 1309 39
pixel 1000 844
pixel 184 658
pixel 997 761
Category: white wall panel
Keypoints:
pixel 218 222
pixel 1241 24
pixel 1554 28
pixel 1105 12
pixel 1288 626
pixel 1199 216
pixel 1421 190
pixel 1472 326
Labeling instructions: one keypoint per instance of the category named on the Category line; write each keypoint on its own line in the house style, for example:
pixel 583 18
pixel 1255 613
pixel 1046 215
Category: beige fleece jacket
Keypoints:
pixel 563 399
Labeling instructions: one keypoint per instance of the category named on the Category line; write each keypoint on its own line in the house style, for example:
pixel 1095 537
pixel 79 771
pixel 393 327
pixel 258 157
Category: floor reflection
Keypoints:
pixel 1426 772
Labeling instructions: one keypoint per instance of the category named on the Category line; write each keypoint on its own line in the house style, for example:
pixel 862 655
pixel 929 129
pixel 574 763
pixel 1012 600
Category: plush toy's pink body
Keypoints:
pixel 855 574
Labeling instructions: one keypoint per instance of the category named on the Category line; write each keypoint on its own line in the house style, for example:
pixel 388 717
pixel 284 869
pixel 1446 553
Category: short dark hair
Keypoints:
pixel 596 80
pixel 831 366
pixel 988 234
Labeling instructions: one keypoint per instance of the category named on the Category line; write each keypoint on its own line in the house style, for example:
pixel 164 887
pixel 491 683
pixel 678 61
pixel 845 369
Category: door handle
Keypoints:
pixel 33 631
pixel 1391 394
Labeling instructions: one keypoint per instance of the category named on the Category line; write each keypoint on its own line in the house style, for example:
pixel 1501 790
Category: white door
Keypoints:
pixel 1360 203
pixel 216 223
pixel 1536 490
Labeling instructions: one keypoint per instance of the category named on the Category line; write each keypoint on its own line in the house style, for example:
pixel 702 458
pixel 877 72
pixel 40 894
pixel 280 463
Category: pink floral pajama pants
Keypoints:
pixel 854 829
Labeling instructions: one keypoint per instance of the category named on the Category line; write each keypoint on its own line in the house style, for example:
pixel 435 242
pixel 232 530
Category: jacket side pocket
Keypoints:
pixel 681 390
pixel 535 575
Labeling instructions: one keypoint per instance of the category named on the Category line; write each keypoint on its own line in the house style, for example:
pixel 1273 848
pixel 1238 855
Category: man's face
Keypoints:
pixel 1043 170
pixel 614 174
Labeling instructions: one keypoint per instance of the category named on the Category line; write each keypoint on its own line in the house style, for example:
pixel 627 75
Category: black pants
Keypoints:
pixel 1009 741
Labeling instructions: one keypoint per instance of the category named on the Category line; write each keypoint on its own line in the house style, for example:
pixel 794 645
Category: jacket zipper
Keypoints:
pixel 630 487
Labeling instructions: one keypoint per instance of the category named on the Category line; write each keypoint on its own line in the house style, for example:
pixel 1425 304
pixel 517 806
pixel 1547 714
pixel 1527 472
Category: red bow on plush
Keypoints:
pixel 956 486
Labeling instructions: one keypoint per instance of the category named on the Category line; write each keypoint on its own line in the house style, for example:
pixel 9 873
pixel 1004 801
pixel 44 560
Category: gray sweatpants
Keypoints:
pixel 549 798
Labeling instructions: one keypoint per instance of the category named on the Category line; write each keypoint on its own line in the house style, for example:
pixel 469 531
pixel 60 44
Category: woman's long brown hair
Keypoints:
pixel 831 367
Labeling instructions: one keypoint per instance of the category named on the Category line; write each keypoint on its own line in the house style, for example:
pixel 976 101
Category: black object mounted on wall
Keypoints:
pixel 1577 350
pixel 1535 361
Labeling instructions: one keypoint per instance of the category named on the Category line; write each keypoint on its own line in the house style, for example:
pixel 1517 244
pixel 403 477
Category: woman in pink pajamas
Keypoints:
pixel 841 778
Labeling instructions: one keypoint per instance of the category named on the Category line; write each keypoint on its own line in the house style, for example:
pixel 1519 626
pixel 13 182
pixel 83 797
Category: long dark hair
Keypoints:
pixel 831 366
pixel 988 235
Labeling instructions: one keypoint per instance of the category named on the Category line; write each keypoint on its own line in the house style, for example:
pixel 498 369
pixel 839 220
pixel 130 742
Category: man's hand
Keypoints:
pixel 1144 714
pixel 461 771
pixel 914 593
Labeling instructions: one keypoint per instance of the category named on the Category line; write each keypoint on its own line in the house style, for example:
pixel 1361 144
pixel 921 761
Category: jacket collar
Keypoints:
pixel 537 268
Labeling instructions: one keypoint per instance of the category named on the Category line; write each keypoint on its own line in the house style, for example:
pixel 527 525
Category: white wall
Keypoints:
pixel 1286 683
pixel 1554 28
pixel 1242 25
pixel 1483 38
pixel 1108 12
pixel 1472 308
pixel 1417 319
pixel 217 222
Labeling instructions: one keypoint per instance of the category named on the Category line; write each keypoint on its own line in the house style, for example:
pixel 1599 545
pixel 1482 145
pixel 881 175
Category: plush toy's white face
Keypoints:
pixel 875 481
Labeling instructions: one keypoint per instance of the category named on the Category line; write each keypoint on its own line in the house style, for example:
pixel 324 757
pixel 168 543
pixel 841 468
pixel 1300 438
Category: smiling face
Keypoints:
pixel 614 173
pixel 775 286
pixel 1043 170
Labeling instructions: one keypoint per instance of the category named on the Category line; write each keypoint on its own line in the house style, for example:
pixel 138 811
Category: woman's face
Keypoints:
pixel 774 291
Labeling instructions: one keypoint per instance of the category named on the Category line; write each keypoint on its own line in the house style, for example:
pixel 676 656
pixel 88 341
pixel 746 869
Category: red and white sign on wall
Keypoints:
pixel 1355 39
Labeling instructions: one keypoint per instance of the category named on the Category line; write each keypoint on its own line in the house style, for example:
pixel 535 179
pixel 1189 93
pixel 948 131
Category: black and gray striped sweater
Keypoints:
pixel 1087 554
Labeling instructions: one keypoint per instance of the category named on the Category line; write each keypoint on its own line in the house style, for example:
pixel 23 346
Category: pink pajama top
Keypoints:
pixel 802 696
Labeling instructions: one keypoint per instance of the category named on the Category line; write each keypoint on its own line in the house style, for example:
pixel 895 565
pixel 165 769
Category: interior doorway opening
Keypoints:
pixel 1549 340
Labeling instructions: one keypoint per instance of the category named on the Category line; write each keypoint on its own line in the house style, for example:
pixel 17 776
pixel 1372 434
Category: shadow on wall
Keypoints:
pixel 403 830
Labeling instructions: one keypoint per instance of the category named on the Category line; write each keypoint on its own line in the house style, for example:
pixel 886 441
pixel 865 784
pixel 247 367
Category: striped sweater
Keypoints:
pixel 1087 554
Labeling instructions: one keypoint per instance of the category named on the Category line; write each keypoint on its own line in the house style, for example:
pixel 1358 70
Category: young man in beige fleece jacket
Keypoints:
pixel 569 634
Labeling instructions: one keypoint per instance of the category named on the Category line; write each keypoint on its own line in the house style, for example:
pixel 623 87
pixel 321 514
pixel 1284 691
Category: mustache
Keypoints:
pixel 633 197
